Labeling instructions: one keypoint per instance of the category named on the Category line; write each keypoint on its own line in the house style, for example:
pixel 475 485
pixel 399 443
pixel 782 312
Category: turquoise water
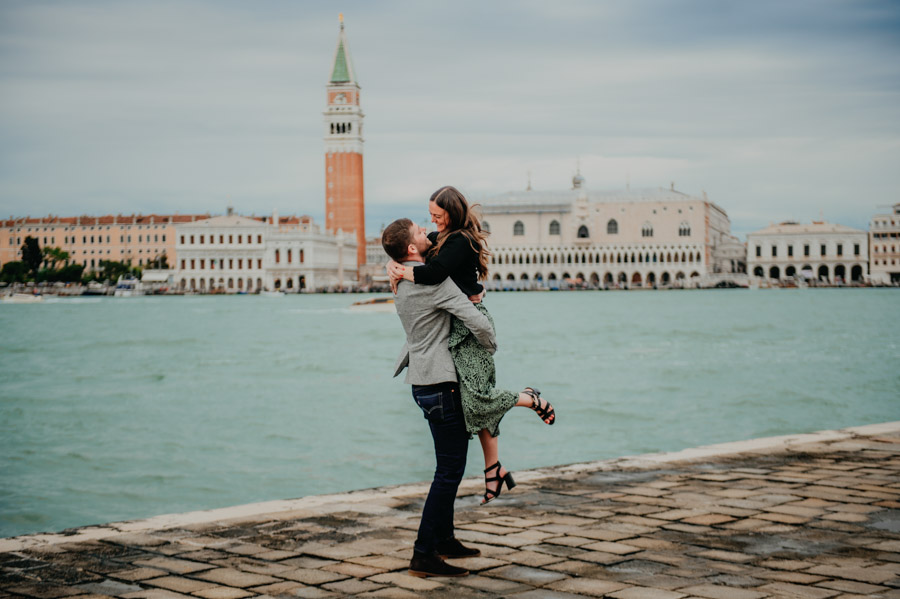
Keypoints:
pixel 118 408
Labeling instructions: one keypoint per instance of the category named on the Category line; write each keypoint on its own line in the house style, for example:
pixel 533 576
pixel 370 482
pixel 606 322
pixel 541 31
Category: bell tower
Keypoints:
pixel 344 207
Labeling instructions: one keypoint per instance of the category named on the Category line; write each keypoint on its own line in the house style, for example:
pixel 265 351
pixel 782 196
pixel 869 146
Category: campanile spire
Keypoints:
pixel 344 197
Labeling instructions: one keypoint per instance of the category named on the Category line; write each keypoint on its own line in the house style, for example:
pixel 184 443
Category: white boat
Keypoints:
pixel 23 298
pixel 128 286
pixel 375 304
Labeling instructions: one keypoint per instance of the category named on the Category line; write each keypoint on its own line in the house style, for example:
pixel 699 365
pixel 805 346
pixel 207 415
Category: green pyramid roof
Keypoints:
pixel 341 73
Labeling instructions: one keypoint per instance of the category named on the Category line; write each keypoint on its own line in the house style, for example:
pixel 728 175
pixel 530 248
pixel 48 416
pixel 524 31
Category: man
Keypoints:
pixel 425 313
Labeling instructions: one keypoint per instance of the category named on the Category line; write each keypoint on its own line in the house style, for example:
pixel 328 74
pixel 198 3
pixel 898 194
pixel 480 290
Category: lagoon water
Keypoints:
pixel 115 408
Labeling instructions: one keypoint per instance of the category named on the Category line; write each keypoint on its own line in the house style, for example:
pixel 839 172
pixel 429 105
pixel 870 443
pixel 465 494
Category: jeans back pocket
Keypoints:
pixel 432 404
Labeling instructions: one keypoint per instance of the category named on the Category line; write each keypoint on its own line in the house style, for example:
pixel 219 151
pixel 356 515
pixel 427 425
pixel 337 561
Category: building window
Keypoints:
pixel 774 251
pixel 583 232
pixel 684 229
pixel 554 227
pixel 301 256
pixel 758 251
pixel 612 227
pixel 192 239
pixel 289 257
pixel 822 250
pixel 840 249
pixel 790 251
pixel 856 249
pixel 647 230
pixel 121 239
pixel 806 249
pixel 518 228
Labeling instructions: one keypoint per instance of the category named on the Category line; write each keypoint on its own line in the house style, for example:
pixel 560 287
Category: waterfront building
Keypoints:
pixel 624 238
pixel 819 251
pixel 133 239
pixel 884 241
pixel 233 254
pixel 344 201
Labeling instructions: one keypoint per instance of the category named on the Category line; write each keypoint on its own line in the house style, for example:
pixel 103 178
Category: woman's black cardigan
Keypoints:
pixel 456 260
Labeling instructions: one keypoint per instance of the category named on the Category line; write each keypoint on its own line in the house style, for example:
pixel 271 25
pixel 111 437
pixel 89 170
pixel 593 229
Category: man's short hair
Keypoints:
pixel 397 238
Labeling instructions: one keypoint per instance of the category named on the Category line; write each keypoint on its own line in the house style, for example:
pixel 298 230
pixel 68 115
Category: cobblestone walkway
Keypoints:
pixel 815 518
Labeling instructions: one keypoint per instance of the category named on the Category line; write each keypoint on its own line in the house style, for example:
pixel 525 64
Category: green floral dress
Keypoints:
pixel 483 405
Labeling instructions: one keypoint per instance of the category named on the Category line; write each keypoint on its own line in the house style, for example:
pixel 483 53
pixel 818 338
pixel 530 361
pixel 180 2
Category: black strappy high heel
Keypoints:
pixel 490 495
pixel 543 412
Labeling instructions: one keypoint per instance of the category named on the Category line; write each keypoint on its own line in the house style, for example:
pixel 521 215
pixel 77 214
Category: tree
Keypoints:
pixel 14 272
pixel 32 255
pixel 55 255
pixel 160 262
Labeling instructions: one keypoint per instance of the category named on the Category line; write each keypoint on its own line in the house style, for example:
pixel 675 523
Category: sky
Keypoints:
pixel 777 110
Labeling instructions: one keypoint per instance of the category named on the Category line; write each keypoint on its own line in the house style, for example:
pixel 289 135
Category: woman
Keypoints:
pixel 459 251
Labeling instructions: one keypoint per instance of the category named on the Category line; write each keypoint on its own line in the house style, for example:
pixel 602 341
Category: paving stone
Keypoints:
pixel 353 570
pixel 381 562
pixel 495 586
pixel 850 586
pixel 235 578
pixel 180 584
pixel 138 574
pixel 586 586
pixel 312 576
pixel 407 582
pixel 784 589
pixel 711 591
pixel 223 593
pixel 352 586
pixel 155 594
pixel 526 575
pixel 178 566
pixel 531 558
pixel 646 593
pixel 391 593
pixel 615 548
pixel 870 575
pixel 728 556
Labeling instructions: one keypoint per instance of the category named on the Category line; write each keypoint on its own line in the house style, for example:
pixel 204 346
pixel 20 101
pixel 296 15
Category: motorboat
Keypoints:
pixel 128 286
pixel 23 298
pixel 374 304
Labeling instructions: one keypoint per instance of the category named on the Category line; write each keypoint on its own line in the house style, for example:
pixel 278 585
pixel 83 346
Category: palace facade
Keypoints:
pixel 234 254
pixel 817 251
pixel 626 238
pixel 132 239
pixel 884 239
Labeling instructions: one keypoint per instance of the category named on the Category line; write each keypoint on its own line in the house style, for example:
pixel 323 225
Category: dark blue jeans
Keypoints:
pixel 442 407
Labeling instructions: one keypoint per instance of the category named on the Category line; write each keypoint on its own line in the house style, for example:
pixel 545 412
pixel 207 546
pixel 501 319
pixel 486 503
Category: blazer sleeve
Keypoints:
pixel 450 298
pixel 452 258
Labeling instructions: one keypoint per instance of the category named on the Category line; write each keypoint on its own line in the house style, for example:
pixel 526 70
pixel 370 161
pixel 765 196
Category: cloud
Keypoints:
pixel 775 109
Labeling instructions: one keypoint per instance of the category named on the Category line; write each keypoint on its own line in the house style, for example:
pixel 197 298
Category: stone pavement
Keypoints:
pixel 810 516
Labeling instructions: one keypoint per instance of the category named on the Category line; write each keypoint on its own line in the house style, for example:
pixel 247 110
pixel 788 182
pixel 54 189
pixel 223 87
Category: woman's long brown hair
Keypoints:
pixel 464 220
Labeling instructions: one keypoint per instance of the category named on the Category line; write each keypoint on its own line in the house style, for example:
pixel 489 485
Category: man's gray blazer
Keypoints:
pixel 425 313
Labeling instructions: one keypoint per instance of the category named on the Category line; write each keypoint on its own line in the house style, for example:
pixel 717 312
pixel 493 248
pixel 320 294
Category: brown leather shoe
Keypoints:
pixel 424 566
pixel 453 549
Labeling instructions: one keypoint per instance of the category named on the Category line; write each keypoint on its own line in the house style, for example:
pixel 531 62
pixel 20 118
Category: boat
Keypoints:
pixel 374 304
pixel 128 286
pixel 23 298
pixel 267 293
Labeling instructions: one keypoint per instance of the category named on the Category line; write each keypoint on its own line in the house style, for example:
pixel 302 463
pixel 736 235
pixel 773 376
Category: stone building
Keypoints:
pixel 625 238
pixel 234 254
pixel 884 241
pixel 817 251
pixel 132 239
